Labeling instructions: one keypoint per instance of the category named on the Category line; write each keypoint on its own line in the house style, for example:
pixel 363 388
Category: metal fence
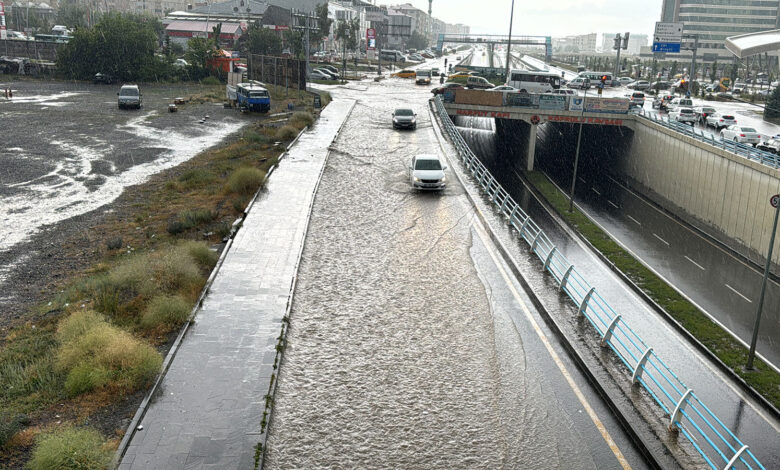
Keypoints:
pixel 717 444
pixel 279 71
pixel 743 150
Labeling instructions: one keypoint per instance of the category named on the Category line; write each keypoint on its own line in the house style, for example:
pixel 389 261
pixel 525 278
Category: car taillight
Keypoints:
pixel 721 120
pixel 742 135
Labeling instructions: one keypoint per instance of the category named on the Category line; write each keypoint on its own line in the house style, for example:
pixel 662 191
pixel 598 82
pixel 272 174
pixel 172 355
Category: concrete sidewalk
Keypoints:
pixel 208 409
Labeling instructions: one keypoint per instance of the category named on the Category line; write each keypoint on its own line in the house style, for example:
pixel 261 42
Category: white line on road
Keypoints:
pixel 595 191
pixel 613 204
pixel 637 222
pixel 697 264
pixel 656 236
pixel 582 180
pixel 738 293
pixel 580 396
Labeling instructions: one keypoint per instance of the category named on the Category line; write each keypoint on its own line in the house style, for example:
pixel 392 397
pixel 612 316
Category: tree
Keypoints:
pixel 199 52
pixel 714 71
pixel 73 15
pixel 323 22
pixel 417 41
pixel 296 42
pixel 772 108
pixel 673 70
pixel 121 45
pixel 263 41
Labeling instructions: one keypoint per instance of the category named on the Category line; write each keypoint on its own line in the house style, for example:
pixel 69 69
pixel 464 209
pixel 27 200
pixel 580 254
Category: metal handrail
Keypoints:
pixel 751 153
pixel 715 442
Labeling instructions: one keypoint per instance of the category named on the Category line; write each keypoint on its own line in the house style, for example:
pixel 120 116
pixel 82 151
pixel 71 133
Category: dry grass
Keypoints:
pixel 70 448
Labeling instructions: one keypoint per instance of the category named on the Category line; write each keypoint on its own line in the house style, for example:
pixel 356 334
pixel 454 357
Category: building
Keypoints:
pixel 715 20
pixel 579 43
pixel 636 42
pixel 399 29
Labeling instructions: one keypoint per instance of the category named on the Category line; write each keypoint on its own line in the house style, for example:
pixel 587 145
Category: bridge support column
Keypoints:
pixel 529 159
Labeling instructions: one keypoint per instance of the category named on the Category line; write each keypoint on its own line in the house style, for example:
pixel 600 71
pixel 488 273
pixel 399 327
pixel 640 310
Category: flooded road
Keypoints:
pixel 405 347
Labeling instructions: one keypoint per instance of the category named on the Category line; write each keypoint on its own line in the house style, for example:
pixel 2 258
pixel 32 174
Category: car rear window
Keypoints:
pixel 638 95
pixel 747 129
pixel 686 111
pixel 708 110
pixel 424 164
pixel 726 116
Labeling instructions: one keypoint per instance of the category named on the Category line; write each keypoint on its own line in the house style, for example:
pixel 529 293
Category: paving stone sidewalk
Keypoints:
pixel 207 412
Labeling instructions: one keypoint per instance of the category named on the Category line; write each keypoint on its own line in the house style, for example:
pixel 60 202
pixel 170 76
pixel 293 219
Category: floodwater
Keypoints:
pixel 68 150
pixel 401 353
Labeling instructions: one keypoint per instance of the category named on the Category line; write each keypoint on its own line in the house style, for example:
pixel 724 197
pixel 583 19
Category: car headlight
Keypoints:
pixel 443 179
pixel 416 179
pixel 413 120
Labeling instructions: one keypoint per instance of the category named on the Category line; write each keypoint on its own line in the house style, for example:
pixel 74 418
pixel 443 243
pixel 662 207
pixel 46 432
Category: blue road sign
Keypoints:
pixel 666 47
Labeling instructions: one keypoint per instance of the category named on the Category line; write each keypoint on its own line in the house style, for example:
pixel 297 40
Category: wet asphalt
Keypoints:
pixel 407 346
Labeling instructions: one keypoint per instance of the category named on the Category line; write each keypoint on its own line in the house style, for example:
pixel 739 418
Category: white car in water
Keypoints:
pixel 427 172
pixel 719 121
pixel 742 134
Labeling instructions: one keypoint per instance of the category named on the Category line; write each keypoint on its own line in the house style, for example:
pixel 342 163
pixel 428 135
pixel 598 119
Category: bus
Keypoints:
pixel 534 81
pixel 392 55
pixel 595 77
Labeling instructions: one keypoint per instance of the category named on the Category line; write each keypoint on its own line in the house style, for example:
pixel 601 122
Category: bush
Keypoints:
pixel 10 425
pixel 196 178
pixel 165 312
pixel 175 227
pixel 202 254
pixel 255 137
pixel 71 448
pixel 301 119
pixel 246 180
pixel 210 81
pixel 194 217
pixel 175 270
pixel 101 354
pixel 114 243
pixel 286 133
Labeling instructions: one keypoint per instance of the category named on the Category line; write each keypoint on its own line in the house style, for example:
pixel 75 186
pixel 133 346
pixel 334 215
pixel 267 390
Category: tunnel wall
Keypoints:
pixel 723 194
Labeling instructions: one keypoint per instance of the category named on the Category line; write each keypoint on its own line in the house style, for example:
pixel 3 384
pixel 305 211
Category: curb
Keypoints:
pixel 144 406
pixel 641 445
pixel 290 299
pixel 722 366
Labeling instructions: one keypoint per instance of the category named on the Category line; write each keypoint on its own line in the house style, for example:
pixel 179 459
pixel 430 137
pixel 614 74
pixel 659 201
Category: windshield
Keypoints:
pixel 748 129
pixel 258 94
pixel 128 92
pixel 425 164
pixel 404 112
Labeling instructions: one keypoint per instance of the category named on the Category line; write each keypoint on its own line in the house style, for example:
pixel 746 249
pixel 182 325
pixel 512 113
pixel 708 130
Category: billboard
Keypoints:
pixel 371 39
pixel 667 37
pixel 555 102
pixel 3 33
pixel 606 105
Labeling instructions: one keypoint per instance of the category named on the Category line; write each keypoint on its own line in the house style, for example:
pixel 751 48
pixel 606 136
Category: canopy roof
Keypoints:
pixel 749 44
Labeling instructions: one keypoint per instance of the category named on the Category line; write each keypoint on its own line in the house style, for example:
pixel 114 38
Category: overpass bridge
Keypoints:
pixel 721 187
pixel 492 39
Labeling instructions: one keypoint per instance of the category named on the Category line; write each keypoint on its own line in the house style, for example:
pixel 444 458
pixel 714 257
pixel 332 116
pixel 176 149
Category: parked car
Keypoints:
pixel 624 81
pixel 770 145
pixel 447 86
pixel 181 63
pixel 129 97
pixel 702 112
pixel 564 91
pixel 478 83
pixel 637 98
pixel 317 74
pixel 333 70
pixel 328 72
pixel 102 78
pixel 427 172
pixel 738 89
pixel 719 121
pixel 745 135
pixel 502 88
pixel 404 118
pixel 639 85
pixel 681 114
pixel 660 85
pixel 405 73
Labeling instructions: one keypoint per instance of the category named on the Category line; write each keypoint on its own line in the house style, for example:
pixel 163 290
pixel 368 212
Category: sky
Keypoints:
pixel 547 18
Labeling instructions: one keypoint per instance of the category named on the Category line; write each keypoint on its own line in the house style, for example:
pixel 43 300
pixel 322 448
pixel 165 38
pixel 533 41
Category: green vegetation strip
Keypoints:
pixel 763 379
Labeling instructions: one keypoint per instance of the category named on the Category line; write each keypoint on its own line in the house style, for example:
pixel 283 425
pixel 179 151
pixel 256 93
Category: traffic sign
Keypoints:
pixel 370 39
pixel 667 37
pixel 775 200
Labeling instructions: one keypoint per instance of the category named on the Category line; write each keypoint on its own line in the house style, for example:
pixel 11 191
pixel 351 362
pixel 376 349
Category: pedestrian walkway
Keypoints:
pixel 209 407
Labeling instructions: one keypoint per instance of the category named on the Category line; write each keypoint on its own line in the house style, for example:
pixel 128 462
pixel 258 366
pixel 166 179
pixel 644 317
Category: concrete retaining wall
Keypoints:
pixel 721 193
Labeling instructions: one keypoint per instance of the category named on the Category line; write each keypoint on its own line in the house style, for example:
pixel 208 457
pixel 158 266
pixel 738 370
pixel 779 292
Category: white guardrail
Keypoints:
pixel 716 443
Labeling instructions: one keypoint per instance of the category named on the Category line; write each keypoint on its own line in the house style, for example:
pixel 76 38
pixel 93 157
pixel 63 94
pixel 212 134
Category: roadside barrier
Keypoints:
pixel 716 443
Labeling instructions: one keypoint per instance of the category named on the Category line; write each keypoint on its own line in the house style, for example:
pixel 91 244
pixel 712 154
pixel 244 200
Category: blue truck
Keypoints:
pixel 250 97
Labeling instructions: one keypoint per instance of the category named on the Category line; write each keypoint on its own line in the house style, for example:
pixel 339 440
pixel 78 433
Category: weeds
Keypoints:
pixel 165 313
pixel 301 119
pixel 286 133
pixel 246 180
pixel 196 178
pixel 70 448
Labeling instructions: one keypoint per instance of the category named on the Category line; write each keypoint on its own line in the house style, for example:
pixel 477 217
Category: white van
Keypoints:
pixel 478 82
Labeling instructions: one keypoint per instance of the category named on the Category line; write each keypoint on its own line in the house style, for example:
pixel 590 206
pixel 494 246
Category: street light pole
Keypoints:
pixel 509 42
pixel 577 154
pixel 753 341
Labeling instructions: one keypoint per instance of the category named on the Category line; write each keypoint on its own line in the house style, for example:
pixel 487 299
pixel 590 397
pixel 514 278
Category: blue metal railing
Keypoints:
pixel 743 150
pixel 716 443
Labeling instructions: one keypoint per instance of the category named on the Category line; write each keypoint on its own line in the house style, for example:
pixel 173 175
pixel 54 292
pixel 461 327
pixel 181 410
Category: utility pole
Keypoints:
pixel 308 51
pixel 577 154
pixel 509 41
pixel 621 42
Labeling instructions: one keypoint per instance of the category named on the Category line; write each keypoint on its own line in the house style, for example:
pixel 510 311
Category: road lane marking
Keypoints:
pixel 656 236
pixel 558 362
pixel 613 204
pixel 595 191
pixel 582 180
pixel 738 293
pixel 697 264
pixel 637 222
